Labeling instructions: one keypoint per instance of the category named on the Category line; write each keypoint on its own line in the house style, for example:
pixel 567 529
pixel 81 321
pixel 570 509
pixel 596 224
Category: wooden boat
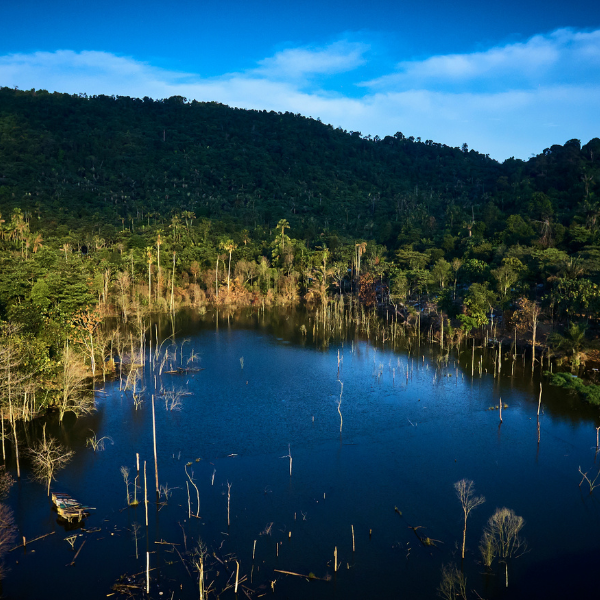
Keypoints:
pixel 59 496
pixel 68 508
pixel 64 500
pixel 72 513
pixel 67 504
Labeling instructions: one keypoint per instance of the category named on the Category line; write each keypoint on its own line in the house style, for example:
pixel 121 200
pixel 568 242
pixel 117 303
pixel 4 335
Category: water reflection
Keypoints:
pixel 413 424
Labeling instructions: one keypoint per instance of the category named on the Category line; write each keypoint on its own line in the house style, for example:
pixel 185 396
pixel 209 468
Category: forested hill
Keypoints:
pixel 105 162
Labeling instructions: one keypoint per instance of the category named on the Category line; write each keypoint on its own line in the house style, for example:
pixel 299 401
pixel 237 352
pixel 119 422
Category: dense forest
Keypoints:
pixel 122 206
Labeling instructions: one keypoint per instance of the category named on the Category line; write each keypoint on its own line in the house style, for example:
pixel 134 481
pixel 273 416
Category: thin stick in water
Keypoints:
pixel 154 438
pixel 146 493
pixel 228 502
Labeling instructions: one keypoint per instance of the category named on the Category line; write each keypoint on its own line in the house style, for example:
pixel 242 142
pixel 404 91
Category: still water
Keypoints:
pixel 412 426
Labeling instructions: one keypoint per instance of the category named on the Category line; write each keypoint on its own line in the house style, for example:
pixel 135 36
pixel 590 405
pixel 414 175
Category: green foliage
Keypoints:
pixel 478 303
pixel 577 296
pixel 468 323
pixel 588 392
pixel 441 272
pixel 572 341
pixel 474 269
pixel 445 303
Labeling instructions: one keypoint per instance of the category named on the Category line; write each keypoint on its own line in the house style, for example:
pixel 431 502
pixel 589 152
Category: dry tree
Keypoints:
pixel 339 405
pixel 501 538
pixel 464 491
pixel 97 444
pixel 199 563
pixel 191 478
pixel 75 396
pixel 172 399
pixel 453 584
pixel 125 474
pixel 48 457
pixel 591 482
pixel 8 531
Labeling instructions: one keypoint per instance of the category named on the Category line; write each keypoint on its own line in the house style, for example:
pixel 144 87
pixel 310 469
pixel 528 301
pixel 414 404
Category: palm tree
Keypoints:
pixel 37 242
pixel 571 342
pixel 66 248
pixel 360 248
pixel 175 225
pixel 188 217
pixel 230 246
pixel 158 245
pixel 283 225
pixel 20 227
pixel 456 265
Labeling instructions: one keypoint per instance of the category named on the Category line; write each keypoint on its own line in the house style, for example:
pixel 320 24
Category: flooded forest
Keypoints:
pixel 244 353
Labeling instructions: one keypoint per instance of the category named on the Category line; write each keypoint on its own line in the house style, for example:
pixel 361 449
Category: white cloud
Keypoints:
pixel 553 97
pixel 295 63
pixel 564 55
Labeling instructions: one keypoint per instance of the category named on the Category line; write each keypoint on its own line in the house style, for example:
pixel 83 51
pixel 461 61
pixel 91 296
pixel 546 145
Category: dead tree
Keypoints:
pixel 464 491
pixel 48 457
pixel 501 538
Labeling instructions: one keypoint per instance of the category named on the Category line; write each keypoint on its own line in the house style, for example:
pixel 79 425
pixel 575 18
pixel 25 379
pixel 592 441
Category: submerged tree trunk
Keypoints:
pixel 14 430
pixel 172 284
pixel 229 272
pixel 217 280
pixel 534 330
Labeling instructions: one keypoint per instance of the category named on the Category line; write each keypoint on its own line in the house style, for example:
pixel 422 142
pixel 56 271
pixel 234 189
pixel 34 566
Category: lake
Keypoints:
pixel 414 423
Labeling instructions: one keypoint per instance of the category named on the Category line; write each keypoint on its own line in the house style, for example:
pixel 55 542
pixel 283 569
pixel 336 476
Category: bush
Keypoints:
pixel 589 393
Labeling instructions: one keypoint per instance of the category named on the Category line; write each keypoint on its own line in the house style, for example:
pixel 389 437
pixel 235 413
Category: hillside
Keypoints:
pixel 103 161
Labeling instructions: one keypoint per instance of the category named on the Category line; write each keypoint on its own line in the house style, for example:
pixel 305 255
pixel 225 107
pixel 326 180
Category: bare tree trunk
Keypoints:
pixel 12 419
pixel 464 538
pixel 532 354
pixel 228 502
pixel 146 494
pixel 229 273
pixel 217 280
pixel 154 438
pixel 159 272
pixel 172 284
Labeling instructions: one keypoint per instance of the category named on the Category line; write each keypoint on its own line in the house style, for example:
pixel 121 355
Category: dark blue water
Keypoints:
pixel 403 444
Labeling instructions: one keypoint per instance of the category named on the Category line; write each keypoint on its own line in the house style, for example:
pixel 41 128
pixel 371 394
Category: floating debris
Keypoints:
pixel 183 370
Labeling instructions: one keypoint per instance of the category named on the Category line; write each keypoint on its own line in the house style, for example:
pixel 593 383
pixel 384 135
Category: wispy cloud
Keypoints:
pixel 515 99
pixel 564 55
pixel 295 63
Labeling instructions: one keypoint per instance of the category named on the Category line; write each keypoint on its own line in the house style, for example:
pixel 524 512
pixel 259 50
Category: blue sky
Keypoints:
pixel 509 78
